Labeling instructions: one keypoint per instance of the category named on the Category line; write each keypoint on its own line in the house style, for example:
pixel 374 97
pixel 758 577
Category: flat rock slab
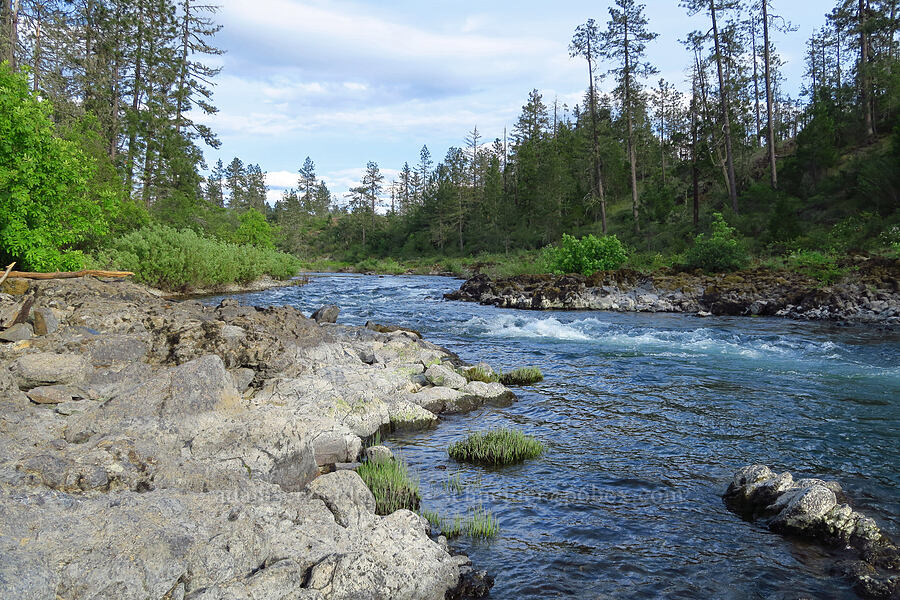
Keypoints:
pixel 49 368
pixel 17 333
pixel 50 394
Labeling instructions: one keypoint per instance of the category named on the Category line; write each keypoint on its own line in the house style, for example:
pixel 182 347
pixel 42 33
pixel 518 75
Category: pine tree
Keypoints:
pixel 586 42
pixel 624 42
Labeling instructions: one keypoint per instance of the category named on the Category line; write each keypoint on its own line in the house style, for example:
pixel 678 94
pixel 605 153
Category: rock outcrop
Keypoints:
pixel 172 450
pixel 868 294
pixel 813 509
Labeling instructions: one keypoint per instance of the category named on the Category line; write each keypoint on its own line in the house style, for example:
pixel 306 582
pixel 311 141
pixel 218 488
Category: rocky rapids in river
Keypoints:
pixel 869 293
pixel 174 450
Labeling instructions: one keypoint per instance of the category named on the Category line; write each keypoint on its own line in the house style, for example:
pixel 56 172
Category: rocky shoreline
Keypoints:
pixel 172 450
pixel 868 294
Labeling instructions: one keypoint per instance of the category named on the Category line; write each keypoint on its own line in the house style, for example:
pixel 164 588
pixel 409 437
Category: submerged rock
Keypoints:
pixel 813 509
pixel 326 314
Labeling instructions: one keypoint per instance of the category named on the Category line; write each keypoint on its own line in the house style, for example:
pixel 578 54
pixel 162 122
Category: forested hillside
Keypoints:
pixel 102 149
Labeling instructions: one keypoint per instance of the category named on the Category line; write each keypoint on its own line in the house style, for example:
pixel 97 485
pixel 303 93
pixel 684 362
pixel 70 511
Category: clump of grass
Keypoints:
pixel 433 517
pixel 479 373
pixel 452 529
pixel 522 376
pixel 481 524
pixel 496 447
pixel 454 483
pixel 391 485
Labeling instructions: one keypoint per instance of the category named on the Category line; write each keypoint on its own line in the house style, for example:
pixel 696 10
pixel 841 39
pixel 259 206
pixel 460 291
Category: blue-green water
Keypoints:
pixel 646 418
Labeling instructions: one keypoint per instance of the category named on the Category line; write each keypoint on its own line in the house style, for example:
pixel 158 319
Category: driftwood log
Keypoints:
pixel 68 274
pixel 6 274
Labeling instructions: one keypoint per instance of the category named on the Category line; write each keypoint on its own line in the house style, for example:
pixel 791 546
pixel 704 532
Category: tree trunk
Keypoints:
pixel 726 121
pixel 37 52
pixel 695 171
pixel 714 153
pixel 595 142
pixel 755 79
pixel 182 75
pixel 13 31
pixel 136 93
pixel 770 137
pixel 864 68
pixel 628 117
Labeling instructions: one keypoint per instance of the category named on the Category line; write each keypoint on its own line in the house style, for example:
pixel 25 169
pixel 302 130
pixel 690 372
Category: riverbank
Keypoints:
pixel 869 293
pixel 257 285
pixel 195 430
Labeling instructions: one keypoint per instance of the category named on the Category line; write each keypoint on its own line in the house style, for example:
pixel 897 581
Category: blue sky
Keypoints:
pixel 348 82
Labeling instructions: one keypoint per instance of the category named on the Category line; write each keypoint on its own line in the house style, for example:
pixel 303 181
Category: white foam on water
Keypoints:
pixel 525 327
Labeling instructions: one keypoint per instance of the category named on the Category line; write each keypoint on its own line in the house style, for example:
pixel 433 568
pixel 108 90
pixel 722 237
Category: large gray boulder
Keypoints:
pixel 439 375
pixel 346 496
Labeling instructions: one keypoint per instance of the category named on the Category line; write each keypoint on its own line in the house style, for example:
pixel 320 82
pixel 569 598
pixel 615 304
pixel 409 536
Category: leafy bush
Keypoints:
pixel 719 252
pixel 391 485
pixel 496 447
pixel 254 230
pixel 586 255
pixel 522 376
pixel 49 205
pixel 820 266
pixel 181 259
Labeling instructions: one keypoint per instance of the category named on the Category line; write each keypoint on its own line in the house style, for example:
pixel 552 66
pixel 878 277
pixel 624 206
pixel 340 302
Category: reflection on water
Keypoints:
pixel 646 417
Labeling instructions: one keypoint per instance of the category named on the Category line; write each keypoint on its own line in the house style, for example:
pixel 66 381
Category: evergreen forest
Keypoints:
pixel 102 154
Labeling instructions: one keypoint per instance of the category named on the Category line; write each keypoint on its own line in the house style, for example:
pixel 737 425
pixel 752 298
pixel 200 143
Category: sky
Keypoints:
pixel 347 82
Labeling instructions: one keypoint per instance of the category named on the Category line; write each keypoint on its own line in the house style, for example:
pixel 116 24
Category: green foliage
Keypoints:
pixel 50 209
pixel 254 230
pixel 496 447
pixel 479 373
pixel 719 252
pixel 819 265
pixel 586 255
pixel 391 485
pixel 182 259
pixel 856 232
pixel 522 376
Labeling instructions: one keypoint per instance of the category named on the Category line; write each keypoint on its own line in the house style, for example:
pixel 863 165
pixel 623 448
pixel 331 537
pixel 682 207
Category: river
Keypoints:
pixel 646 417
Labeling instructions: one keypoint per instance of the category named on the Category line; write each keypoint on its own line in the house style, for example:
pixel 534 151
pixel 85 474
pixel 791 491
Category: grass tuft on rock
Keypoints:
pixel 523 376
pixel 496 447
pixel 479 373
pixel 391 485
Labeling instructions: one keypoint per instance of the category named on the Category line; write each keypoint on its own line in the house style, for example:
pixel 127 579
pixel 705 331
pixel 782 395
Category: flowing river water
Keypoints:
pixel 646 417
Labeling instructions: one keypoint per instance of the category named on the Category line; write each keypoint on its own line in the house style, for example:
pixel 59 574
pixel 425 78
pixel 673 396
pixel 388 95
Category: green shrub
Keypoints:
pixel 820 266
pixel 50 204
pixel 496 447
pixel 522 376
pixel 182 259
pixel 586 255
pixel 719 252
pixel 254 230
pixel 391 485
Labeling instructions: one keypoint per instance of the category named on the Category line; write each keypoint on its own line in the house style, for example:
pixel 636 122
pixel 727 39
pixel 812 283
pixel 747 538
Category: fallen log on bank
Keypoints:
pixel 67 274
